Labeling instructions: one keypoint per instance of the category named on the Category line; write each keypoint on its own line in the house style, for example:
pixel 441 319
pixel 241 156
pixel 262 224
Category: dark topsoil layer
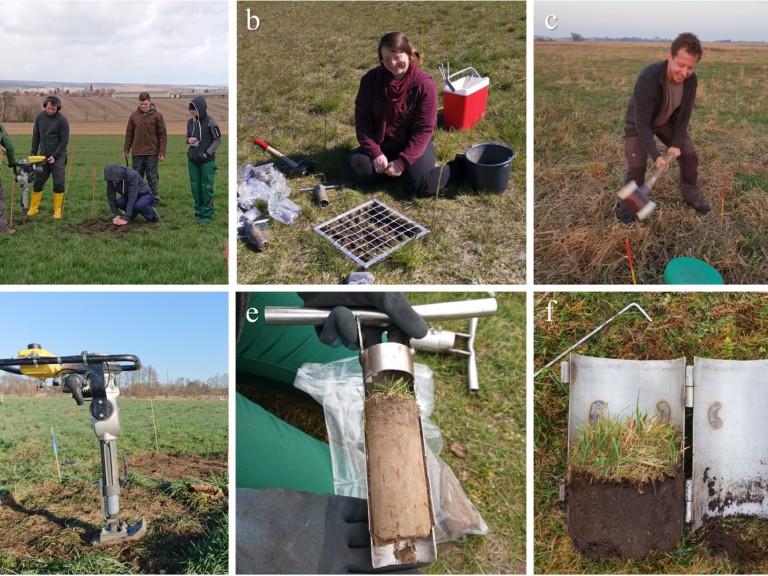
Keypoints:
pixel 624 520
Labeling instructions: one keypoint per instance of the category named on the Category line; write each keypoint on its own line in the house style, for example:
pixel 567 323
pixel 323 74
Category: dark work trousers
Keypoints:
pixel 58 170
pixel 143 206
pixel 637 162
pixel 146 166
pixel 419 179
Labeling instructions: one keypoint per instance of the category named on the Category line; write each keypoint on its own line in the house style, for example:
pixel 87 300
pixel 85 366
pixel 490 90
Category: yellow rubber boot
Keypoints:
pixel 58 204
pixel 34 203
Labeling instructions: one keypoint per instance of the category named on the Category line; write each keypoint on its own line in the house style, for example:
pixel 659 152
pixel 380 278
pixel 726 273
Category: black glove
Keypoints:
pixel 289 532
pixel 341 326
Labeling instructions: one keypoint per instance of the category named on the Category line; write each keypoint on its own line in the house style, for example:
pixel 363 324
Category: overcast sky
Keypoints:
pixel 172 42
pixel 709 20
pixel 179 334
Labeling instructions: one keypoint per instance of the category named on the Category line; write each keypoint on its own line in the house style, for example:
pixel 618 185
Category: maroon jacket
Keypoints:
pixel 407 138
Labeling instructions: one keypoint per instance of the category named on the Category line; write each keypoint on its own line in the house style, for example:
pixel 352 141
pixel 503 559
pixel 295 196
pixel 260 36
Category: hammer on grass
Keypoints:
pixel 300 168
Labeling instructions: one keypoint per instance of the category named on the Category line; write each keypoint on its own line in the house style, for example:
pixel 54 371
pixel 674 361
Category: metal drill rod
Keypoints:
pixel 595 331
pixel 439 312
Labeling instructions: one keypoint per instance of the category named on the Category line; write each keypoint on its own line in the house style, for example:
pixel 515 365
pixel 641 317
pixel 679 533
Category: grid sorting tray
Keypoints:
pixel 370 232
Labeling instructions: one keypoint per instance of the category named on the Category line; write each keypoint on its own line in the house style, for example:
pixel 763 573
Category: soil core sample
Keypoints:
pixel 623 519
pixel 398 487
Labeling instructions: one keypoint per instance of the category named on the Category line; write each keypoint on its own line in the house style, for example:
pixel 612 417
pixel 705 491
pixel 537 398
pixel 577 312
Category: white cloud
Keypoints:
pixel 169 42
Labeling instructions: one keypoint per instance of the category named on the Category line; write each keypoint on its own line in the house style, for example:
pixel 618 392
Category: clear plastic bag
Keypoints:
pixel 265 183
pixel 338 386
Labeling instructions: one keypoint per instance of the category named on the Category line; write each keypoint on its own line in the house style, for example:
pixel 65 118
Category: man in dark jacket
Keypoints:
pixel 146 137
pixel 203 137
pixel 135 195
pixel 50 136
pixel 661 106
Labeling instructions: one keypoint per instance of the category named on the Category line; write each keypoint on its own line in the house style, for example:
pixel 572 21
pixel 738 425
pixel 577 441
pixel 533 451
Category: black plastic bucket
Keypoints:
pixel 488 167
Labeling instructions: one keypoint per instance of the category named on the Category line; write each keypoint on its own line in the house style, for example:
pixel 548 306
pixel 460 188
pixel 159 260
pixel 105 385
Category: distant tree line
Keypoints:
pixel 576 37
pixel 11 112
pixel 142 383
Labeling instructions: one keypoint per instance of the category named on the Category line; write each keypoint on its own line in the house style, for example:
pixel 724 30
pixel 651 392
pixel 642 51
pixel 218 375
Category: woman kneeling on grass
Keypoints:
pixel 395 116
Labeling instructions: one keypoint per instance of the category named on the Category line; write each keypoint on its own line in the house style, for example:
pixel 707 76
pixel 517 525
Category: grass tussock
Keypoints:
pixel 397 387
pixel 582 90
pixel 639 449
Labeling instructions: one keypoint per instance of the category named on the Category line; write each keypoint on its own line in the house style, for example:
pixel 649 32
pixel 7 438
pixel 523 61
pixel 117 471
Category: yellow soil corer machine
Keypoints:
pixel 24 171
pixel 91 376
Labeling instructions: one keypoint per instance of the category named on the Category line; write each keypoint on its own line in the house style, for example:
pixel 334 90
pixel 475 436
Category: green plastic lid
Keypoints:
pixel 686 270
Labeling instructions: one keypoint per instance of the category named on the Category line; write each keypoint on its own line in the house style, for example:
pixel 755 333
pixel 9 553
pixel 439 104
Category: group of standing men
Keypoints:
pixel 130 191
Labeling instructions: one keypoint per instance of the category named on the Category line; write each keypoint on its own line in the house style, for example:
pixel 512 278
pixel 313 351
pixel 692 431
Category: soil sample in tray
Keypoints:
pixel 626 488
pixel 398 486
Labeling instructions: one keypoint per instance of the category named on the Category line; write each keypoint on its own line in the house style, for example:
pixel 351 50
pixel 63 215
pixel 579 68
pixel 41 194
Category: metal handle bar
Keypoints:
pixel 440 312
pixel 474 73
pixel 84 358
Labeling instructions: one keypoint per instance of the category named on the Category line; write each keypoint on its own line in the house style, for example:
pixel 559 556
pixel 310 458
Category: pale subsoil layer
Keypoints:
pixel 398 487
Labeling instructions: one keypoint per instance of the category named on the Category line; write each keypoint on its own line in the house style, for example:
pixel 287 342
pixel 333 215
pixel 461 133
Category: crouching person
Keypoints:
pixel 127 191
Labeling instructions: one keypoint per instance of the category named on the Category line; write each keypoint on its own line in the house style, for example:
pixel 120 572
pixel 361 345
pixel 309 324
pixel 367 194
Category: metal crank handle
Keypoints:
pixel 439 312
pixel 474 382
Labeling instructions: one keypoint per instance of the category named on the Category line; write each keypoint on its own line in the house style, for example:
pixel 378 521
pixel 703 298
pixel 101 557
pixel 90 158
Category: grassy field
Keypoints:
pixel 298 76
pixel 725 326
pixel 84 247
pixel 181 489
pixel 489 426
pixel 582 90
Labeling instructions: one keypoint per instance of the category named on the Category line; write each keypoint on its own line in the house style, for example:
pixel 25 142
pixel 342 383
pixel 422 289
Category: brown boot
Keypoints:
pixel 700 205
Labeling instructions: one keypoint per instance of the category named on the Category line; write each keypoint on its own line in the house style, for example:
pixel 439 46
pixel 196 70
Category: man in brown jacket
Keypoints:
pixel 146 138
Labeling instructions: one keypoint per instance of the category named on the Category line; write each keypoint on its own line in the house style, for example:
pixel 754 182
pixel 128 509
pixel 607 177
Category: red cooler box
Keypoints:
pixel 465 104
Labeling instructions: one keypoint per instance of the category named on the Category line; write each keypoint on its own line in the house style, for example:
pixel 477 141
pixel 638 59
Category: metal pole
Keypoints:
pixel 443 311
pixel 595 331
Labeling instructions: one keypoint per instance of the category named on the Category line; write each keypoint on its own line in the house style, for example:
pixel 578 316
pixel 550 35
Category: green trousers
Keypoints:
pixel 201 179
pixel 269 452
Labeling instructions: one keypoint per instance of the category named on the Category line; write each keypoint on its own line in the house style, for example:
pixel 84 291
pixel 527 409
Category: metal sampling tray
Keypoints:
pixel 370 232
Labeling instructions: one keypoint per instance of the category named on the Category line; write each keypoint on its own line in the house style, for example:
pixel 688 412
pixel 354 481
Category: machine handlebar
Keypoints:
pixel 132 361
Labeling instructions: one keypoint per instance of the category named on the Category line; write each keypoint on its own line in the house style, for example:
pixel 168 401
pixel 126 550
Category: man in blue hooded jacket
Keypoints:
pixel 203 137
pixel 127 191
